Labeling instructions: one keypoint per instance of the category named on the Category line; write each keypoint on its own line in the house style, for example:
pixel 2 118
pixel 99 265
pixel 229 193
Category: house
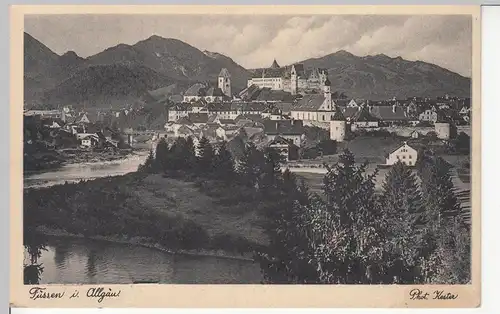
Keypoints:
pixel 428 115
pixel 352 104
pixel 198 119
pixel 281 145
pixel 415 134
pixel 292 130
pixel 316 107
pixel 184 131
pixel 404 153
pixel 179 110
pixel 89 140
pixel 363 119
pixel 226 132
pixel 272 114
pixel 389 114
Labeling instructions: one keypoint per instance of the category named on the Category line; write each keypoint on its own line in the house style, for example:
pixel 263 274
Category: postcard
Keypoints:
pixel 245 156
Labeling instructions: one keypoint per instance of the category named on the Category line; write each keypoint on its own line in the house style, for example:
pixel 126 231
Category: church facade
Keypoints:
pixel 294 78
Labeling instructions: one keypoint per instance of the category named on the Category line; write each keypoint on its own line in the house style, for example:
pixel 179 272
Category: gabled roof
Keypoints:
pixel 214 91
pixel 364 115
pixel 299 68
pixel 198 117
pixel 389 113
pixel 309 103
pixel 283 127
pixel 226 121
pixel 224 73
pixel 278 140
pixel 197 89
pixel 392 148
pixel 275 65
pixel 338 116
pixel 184 121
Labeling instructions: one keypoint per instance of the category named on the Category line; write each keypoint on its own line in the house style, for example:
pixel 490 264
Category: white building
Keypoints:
pixel 337 127
pixel 404 153
pixel 428 115
pixel 318 107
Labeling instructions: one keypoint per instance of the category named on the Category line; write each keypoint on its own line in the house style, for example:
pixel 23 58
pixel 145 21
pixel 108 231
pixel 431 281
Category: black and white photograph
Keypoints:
pixel 255 149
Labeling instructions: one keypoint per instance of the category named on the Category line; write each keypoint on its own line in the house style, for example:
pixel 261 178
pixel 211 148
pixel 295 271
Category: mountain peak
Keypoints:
pixel 343 53
pixel 70 54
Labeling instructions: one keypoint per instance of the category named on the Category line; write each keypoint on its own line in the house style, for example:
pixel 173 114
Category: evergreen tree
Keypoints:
pixel 178 155
pixel 250 165
pixel 344 232
pixel 205 156
pixel 402 213
pixel 149 165
pixel 223 163
pixel 448 246
pixel 271 171
pixel 190 154
pixel 286 259
pixel 162 155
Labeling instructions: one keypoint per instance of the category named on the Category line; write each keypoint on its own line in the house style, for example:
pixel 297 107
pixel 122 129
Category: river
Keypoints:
pixel 85 171
pixel 82 261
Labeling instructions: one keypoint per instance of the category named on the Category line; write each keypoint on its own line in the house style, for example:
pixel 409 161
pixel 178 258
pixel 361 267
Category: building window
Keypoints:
pixel 409 157
pixel 404 156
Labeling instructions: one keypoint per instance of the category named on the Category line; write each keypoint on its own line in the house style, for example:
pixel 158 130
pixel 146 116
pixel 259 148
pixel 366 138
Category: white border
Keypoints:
pixel 490 203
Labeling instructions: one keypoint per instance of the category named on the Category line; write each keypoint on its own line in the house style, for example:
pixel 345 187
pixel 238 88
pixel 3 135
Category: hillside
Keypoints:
pixel 51 78
pixel 174 58
pixel 104 85
pixel 382 77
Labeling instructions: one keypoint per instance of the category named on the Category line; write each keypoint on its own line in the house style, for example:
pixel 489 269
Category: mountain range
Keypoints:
pixel 127 73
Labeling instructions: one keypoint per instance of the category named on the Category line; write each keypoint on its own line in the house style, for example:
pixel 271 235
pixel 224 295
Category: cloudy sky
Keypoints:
pixel 254 41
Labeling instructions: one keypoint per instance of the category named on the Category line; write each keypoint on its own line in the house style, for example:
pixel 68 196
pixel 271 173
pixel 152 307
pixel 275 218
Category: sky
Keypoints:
pixel 254 41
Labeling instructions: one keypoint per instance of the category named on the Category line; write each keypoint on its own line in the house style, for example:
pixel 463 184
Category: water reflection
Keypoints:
pixel 79 261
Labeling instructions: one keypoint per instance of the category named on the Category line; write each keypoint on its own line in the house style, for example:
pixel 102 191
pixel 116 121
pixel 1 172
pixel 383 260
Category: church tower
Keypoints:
pixel 225 82
pixel 328 95
pixel 337 126
pixel 294 84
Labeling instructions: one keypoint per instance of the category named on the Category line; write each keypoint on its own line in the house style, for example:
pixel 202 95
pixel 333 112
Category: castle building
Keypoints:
pixel 294 79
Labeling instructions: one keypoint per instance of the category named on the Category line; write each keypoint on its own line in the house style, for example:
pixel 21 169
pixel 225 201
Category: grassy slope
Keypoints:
pixel 176 197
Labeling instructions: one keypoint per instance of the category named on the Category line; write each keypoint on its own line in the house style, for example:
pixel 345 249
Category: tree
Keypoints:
pixel 286 258
pixel 402 213
pixel 205 156
pixel 149 165
pixel 271 171
pixel 250 165
pixel 223 163
pixel 344 232
pixel 461 144
pixel 162 155
pixel 190 153
pixel 448 230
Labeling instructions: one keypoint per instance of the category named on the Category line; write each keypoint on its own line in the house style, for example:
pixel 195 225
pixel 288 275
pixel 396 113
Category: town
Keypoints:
pixel 289 108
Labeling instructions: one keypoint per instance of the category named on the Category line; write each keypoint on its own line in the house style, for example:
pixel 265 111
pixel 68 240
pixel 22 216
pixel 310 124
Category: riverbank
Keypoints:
pixel 40 162
pixel 173 215
pixel 138 241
